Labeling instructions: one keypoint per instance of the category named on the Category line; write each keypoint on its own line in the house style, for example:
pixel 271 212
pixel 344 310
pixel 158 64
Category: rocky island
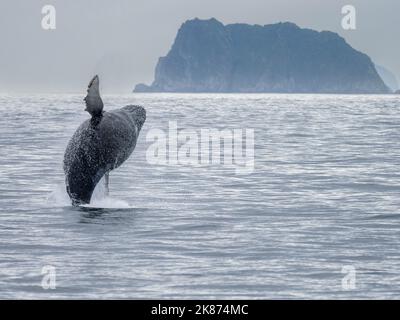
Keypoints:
pixel 208 56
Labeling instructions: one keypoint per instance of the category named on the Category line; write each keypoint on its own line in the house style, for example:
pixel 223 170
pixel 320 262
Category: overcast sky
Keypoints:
pixel 121 40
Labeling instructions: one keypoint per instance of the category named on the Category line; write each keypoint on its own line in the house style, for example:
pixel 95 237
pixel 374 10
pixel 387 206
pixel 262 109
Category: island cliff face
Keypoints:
pixel 210 57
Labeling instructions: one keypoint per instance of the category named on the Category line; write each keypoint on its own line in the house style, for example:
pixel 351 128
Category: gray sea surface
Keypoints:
pixel 318 217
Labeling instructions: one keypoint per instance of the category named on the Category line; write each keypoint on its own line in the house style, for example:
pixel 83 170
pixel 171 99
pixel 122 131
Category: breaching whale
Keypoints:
pixel 100 144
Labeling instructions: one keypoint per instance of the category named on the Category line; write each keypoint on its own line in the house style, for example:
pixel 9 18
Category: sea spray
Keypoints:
pixel 59 198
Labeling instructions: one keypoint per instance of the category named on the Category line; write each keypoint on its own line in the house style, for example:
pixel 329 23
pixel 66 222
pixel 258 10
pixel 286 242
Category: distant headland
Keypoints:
pixel 208 56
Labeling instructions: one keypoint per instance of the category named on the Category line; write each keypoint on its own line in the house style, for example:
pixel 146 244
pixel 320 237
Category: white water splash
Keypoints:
pixel 59 198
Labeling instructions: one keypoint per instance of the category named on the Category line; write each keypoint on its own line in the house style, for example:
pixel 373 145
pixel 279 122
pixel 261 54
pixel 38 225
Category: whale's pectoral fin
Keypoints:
pixel 106 182
pixel 94 104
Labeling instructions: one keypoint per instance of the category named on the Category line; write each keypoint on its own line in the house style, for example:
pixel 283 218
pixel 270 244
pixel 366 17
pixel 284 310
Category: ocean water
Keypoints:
pixel 318 217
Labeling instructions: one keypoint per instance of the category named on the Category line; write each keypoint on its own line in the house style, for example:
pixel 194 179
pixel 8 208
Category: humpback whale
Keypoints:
pixel 100 144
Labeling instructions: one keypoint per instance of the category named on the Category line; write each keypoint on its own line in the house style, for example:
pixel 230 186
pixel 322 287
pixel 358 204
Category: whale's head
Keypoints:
pixel 94 104
pixel 137 114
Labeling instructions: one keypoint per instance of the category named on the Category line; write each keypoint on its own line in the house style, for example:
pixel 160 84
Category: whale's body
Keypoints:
pixel 99 145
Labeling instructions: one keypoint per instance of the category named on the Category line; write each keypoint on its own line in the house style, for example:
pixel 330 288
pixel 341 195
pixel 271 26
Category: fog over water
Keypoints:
pixel 122 40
